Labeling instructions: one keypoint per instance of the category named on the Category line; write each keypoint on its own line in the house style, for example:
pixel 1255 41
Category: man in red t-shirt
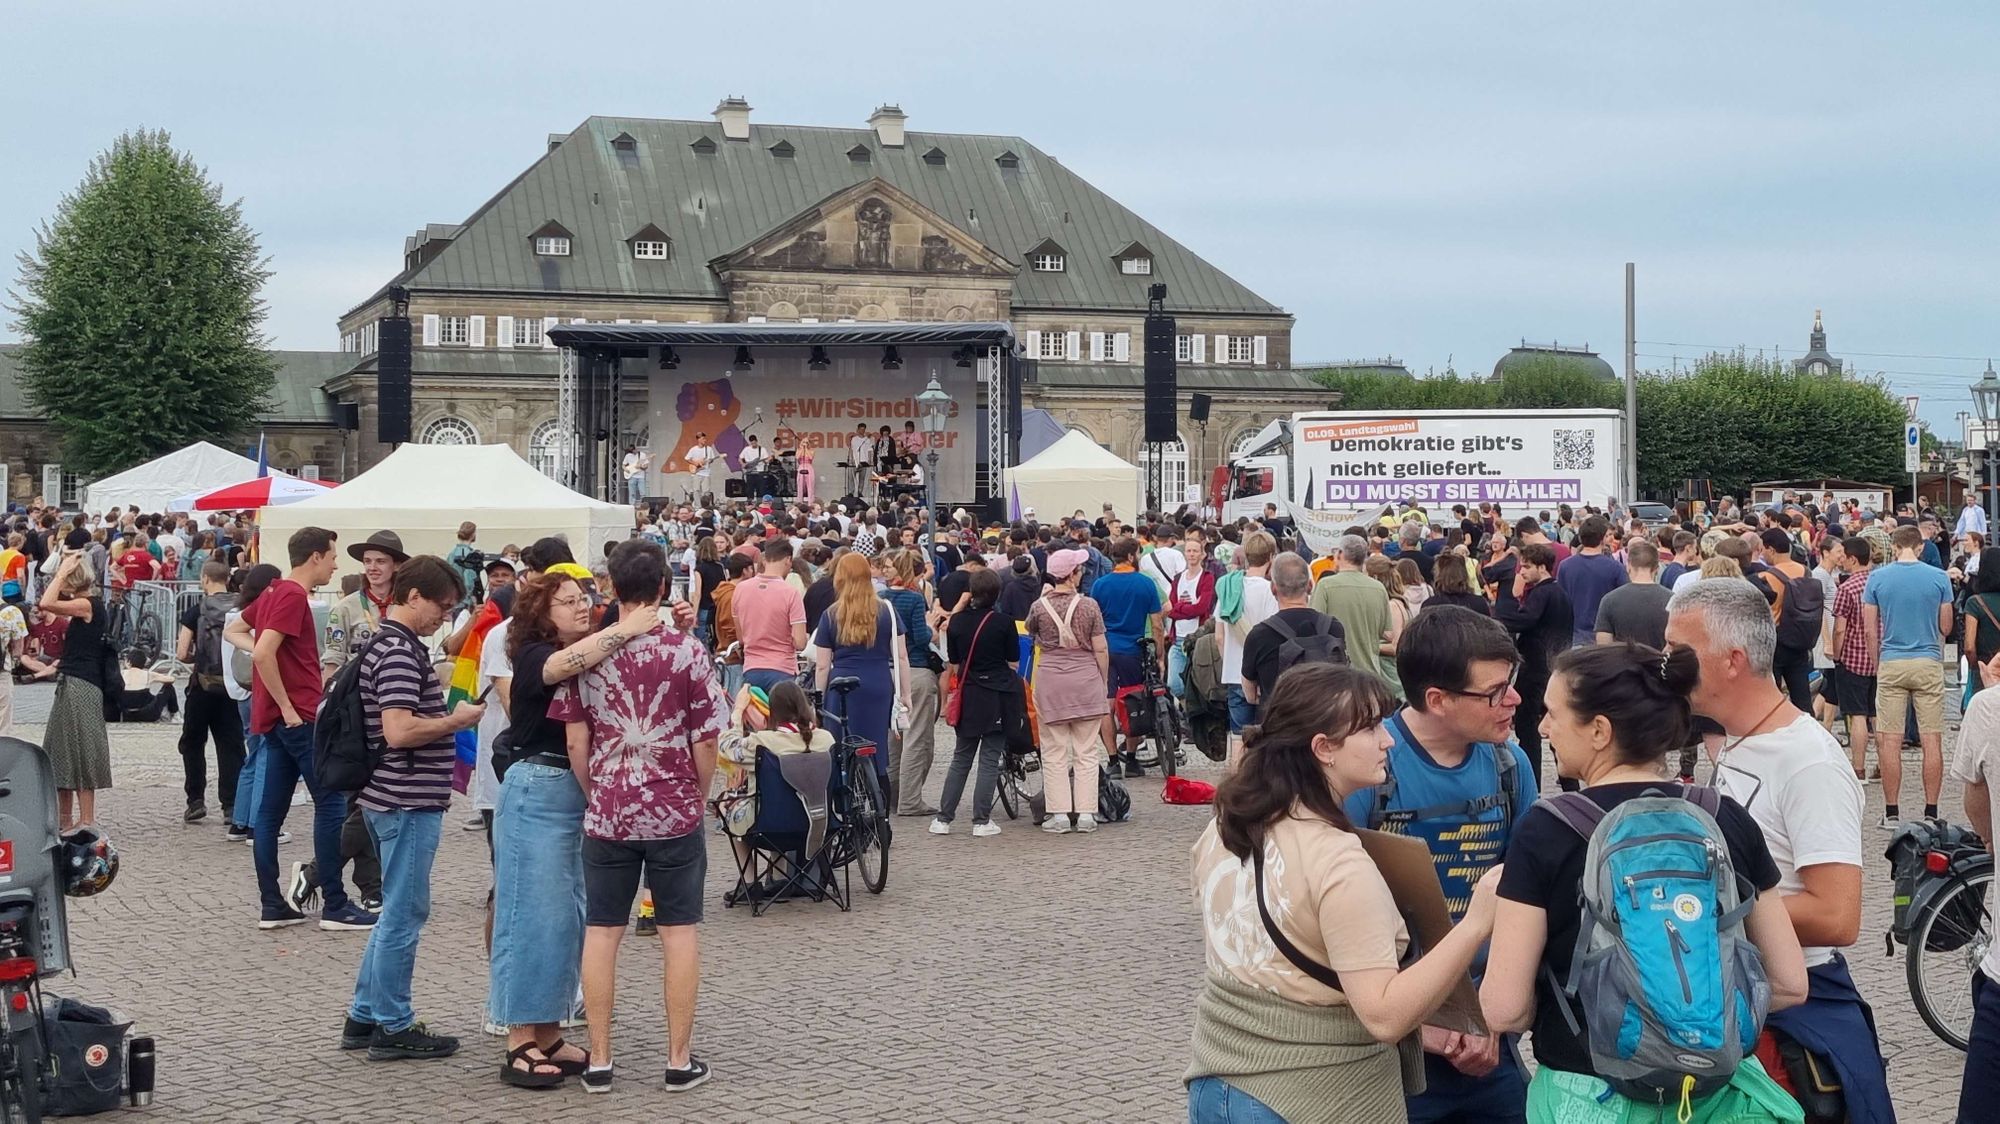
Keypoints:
pixel 136 564
pixel 284 698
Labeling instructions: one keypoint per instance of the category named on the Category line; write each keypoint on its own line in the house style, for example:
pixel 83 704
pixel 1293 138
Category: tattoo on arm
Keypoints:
pixel 609 642
pixel 573 661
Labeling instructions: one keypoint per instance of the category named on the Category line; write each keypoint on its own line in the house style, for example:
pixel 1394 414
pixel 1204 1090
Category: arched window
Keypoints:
pixel 449 431
pixel 1173 458
pixel 545 449
pixel 1245 441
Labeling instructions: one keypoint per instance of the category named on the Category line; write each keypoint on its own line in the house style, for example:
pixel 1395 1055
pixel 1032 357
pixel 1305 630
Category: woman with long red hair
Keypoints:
pixel 859 636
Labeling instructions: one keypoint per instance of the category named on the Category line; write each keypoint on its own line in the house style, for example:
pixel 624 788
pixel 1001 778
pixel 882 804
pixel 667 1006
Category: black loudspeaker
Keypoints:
pixel 350 416
pixel 1162 382
pixel 735 488
pixel 1013 404
pixel 1198 407
pixel 392 382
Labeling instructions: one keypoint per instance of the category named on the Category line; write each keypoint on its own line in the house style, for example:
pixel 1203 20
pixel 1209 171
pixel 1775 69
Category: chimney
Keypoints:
pixel 733 114
pixel 887 121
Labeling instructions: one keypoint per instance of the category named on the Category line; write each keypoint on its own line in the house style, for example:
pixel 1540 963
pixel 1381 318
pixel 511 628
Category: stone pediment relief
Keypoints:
pixel 869 228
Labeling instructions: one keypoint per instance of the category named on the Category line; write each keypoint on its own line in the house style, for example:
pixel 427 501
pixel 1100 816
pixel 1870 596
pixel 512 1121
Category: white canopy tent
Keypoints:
pixel 423 492
pixel 1075 473
pixel 201 467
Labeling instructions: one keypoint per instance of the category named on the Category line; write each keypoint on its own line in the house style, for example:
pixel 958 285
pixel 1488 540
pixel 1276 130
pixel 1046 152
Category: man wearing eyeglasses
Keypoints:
pixel 1457 781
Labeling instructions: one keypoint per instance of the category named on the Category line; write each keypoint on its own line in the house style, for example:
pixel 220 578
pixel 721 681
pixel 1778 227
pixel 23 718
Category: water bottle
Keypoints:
pixel 139 1072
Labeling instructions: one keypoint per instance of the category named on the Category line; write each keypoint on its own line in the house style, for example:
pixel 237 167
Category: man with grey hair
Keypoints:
pixel 1410 545
pixel 1361 605
pixel 1297 633
pixel 1786 770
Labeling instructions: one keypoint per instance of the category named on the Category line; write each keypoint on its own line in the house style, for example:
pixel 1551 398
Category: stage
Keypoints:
pixel 805 385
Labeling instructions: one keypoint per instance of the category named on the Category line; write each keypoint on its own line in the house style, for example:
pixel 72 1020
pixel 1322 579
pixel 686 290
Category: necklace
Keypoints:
pixel 1754 726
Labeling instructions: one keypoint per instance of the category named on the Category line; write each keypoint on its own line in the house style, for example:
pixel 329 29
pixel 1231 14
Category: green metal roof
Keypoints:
pixel 296 396
pixel 710 205
pixel 1092 376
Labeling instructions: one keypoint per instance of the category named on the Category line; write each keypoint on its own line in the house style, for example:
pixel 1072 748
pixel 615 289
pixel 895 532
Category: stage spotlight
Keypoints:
pixel 669 359
pixel 743 360
pixel 818 361
pixel 891 361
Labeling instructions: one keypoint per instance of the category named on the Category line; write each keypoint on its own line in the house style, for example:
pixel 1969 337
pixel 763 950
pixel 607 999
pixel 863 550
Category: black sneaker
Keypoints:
pixel 356 1034
pixel 236 833
pixel 196 812
pixel 597 1080
pixel 413 1042
pixel 348 918
pixel 1132 766
pixel 280 917
pixel 647 926
pixel 304 886
pixel 681 1080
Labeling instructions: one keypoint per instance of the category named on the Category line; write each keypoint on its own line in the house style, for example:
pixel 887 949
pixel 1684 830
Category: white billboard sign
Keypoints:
pixel 1517 459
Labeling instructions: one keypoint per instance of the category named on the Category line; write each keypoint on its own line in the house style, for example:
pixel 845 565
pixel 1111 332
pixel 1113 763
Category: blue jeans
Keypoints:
pixel 249 782
pixel 1211 1100
pixel 1982 1058
pixel 635 490
pixel 1449 1097
pixel 407 841
pixel 537 896
pixel 1242 712
pixel 732 679
pixel 1177 670
pixel 764 680
pixel 287 755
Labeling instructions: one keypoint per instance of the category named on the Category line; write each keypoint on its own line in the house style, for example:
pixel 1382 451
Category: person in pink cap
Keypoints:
pixel 1072 665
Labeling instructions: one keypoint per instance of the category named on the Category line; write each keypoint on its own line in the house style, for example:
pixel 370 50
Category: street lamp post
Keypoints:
pixel 934 405
pixel 1986 399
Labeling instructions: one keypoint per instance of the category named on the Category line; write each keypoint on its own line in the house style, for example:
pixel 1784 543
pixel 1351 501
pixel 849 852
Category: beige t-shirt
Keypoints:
pixel 1978 759
pixel 1325 895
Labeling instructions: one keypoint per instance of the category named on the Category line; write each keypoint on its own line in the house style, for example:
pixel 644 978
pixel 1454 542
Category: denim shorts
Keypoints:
pixel 1242 712
pixel 675 870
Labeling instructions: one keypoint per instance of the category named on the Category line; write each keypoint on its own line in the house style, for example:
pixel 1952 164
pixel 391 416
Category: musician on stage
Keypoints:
pixel 700 460
pixel 860 456
pixel 753 455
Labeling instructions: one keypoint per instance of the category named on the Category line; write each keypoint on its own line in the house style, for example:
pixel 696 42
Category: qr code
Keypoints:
pixel 1576 449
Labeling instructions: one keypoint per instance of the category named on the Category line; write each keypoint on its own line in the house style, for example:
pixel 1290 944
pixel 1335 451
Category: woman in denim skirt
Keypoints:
pixel 538 831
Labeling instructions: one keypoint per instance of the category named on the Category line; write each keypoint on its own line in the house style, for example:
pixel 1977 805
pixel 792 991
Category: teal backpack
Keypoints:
pixel 1673 992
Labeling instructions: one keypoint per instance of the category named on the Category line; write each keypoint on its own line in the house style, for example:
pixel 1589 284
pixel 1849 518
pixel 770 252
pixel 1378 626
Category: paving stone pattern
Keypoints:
pixel 1018 978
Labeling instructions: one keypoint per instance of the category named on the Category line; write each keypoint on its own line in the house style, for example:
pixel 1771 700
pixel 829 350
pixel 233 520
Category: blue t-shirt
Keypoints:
pixel 1463 846
pixel 1908 595
pixel 1126 600
pixel 1586 578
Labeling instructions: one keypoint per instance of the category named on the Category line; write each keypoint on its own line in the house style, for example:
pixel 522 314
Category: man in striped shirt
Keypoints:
pixel 404 804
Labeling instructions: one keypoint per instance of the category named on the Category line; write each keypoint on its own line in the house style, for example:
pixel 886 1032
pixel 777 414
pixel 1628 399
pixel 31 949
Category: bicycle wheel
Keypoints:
pixel 870 827
pixel 1166 735
pixel 1010 792
pixel 1947 943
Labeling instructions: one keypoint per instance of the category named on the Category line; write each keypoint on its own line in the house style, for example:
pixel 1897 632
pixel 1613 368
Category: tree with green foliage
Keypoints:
pixel 141 311
pixel 1733 420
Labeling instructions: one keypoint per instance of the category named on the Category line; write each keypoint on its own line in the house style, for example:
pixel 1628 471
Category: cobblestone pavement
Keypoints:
pixel 1022 977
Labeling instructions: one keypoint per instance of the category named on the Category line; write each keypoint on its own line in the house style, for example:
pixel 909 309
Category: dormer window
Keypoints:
pixel 1045 263
pixel 782 150
pixel 935 157
pixel 1134 260
pixel 859 154
pixel 1008 161
pixel 703 146
pixel 623 142
pixel 551 241
pixel 650 243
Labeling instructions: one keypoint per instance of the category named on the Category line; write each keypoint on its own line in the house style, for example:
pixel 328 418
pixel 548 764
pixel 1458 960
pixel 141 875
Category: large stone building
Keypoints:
pixel 633 220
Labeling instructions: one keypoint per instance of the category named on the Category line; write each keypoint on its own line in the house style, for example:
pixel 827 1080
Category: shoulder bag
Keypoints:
pixel 954 694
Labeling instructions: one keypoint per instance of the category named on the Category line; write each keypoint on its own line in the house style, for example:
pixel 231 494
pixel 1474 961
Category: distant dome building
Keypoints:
pixel 1818 360
pixel 1579 358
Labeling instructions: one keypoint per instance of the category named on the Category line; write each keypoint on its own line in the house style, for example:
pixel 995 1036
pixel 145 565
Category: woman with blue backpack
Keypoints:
pixel 1639 938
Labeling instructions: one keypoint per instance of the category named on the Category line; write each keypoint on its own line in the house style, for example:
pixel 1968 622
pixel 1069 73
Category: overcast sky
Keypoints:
pixel 1433 181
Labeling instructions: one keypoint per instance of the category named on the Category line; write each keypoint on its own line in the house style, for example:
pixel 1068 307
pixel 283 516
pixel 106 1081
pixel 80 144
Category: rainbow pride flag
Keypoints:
pixel 464 686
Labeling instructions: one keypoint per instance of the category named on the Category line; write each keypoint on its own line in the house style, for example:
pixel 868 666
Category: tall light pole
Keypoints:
pixel 1986 400
pixel 934 405
pixel 1631 387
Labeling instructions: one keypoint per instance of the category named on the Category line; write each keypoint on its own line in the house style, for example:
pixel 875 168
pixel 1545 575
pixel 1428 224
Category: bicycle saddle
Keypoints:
pixel 844 684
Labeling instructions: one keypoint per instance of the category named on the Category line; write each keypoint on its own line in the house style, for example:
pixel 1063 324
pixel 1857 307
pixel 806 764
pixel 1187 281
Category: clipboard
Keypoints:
pixel 1406 865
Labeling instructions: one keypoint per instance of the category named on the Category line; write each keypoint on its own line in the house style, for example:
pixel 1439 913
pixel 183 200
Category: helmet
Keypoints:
pixel 89 862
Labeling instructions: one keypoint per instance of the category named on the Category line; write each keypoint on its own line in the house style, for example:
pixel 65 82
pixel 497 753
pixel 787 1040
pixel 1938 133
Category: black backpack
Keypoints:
pixel 1799 618
pixel 344 756
pixel 214 612
pixel 1322 645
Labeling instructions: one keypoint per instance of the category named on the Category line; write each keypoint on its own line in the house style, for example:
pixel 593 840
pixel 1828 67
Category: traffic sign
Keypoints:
pixel 1913 440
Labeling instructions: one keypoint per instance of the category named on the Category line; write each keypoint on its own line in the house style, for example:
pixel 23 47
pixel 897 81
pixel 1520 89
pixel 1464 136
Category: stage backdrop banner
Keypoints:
pixel 781 397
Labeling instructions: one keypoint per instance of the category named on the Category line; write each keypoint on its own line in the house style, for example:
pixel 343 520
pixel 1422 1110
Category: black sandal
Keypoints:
pixel 569 1069
pixel 528 1078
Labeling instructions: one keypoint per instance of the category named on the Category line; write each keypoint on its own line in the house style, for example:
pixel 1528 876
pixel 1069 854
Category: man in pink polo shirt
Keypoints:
pixel 770 619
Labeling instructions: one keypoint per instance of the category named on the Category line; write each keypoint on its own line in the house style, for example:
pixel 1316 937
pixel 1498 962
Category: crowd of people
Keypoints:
pixel 1423 673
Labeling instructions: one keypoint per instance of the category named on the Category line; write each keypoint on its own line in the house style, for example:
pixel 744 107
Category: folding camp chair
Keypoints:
pixel 785 852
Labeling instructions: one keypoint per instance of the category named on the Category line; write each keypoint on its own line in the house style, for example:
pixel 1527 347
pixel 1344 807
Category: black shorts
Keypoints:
pixel 1829 684
pixel 1126 671
pixel 1855 694
pixel 675 871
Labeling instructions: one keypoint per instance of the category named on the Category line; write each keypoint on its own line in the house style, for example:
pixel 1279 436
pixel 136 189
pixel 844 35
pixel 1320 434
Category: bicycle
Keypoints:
pixel 863 835
pixel 1950 930
pixel 1014 770
pixel 1170 727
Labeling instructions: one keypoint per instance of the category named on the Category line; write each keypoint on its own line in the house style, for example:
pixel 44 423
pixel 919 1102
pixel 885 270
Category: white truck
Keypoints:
pixel 1356 459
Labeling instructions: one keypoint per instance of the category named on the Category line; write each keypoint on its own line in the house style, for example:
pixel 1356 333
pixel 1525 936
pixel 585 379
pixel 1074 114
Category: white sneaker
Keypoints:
pixel 1085 822
pixel 488 1025
pixel 985 829
pixel 299 798
pixel 1057 824
pixel 474 822
pixel 939 827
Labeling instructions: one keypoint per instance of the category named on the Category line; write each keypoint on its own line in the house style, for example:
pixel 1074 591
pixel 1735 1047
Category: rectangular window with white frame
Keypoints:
pixel 527 331
pixel 649 250
pixel 1242 349
pixel 552 246
pixel 1137 267
pixel 1047 263
pixel 1183 349
pixel 1052 346
pixel 454 331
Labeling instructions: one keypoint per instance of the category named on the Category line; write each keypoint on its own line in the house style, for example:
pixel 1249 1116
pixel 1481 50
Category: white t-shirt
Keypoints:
pixel 1687 579
pixel 1829 585
pixel 702 457
pixel 1258 603
pixel 752 455
pixel 493 664
pixel 860 450
pixel 236 691
pixel 1978 759
pixel 633 467
pixel 1798 785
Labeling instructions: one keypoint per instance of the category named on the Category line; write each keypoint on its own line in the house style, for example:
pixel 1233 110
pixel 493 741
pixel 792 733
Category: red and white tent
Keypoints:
pixel 264 491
